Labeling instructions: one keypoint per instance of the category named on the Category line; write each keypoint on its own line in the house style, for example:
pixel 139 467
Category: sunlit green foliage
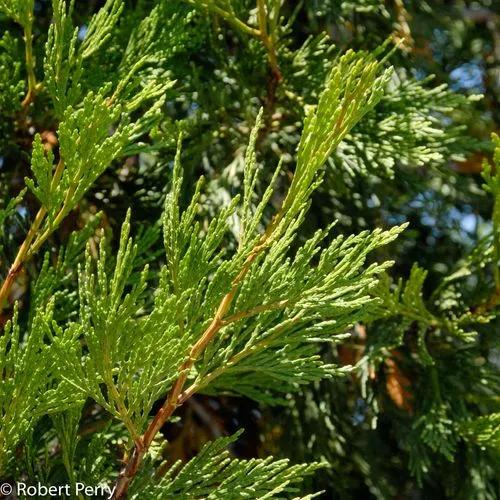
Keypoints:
pixel 271 189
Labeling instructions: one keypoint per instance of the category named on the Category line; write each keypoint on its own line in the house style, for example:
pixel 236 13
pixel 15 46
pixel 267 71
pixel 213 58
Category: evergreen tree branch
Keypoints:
pixel 235 305
pixel 172 401
pixel 352 89
pixel 31 243
pixel 86 145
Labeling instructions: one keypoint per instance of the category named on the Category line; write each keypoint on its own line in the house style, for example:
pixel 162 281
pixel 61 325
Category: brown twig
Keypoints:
pixel 21 258
pixel 404 31
pixel 269 42
pixel 26 250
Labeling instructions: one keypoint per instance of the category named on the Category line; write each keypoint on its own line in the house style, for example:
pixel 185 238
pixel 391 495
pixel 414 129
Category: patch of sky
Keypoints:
pixel 82 32
pixel 468 76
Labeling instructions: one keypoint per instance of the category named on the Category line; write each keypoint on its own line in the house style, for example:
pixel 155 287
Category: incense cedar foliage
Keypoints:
pixel 133 287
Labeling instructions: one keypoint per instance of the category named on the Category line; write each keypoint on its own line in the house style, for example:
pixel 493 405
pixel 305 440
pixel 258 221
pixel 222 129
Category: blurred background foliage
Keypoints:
pixel 391 429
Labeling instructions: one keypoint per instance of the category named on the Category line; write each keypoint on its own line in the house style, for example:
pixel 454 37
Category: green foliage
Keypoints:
pixel 28 390
pixel 493 186
pixel 406 301
pixel 11 85
pixel 303 305
pixel 63 61
pixel 485 430
pixel 21 11
pixel 116 335
pixel 58 276
pixel 269 272
pixel 86 149
pixel 353 88
pixel 119 337
pixel 407 128
pixel 214 474
pixel 8 210
pixel 100 27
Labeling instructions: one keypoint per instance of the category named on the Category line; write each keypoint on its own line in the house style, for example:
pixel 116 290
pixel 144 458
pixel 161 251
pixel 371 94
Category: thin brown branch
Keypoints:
pixel 32 242
pixel 268 40
pixel 403 33
pixel 21 258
